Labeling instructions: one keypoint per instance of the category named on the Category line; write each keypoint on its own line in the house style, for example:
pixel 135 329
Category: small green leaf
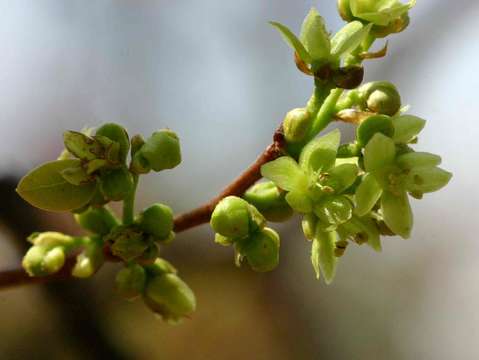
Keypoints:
pixel 322 255
pixel 367 195
pixel 45 187
pixel 397 213
pixel 349 38
pixel 292 41
pixel 417 159
pixel 407 127
pixel 379 152
pixel 427 179
pixel 299 201
pixel 81 145
pixel 319 154
pixel 373 125
pixel 285 173
pixel 314 36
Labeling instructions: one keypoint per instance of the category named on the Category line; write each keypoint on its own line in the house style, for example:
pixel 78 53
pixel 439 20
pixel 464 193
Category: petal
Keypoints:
pixel 299 201
pixel 379 152
pixel 320 154
pixel 322 255
pixel 285 173
pixel 343 176
pixel 367 195
pixel 417 159
pixel 406 127
pixel 335 210
pixel 397 213
pixel 427 179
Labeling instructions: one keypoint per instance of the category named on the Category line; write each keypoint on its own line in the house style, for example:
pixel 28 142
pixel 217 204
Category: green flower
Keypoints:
pixel 315 184
pixel 390 177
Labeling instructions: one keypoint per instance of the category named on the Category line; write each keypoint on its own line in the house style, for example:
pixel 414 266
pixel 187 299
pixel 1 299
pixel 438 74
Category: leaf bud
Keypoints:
pixel 161 150
pixel 296 124
pixel 117 134
pixel 170 297
pixel 156 220
pixel 116 184
pixel 130 281
pixel 97 220
pixel 381 97
pixel 261 250
pixel 270 202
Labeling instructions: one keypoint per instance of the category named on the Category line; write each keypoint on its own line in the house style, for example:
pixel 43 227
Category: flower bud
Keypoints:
pixel 308 225
pixel 116 184
pixel 270 202
pixel 231 217
pixel 381 97
pixel 160 267
pixel 170 297
pixel 162 150
pixel 88 261
pixel 156 220
pixel 117 134
pixel 50 239
pixel 130 281
pixel 261 250
pixel 97 220
pixel 296 124
pixel 39 260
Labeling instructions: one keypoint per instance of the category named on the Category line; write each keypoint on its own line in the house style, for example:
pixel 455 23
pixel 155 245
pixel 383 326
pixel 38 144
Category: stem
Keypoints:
pixel 326 112
pixel 129 203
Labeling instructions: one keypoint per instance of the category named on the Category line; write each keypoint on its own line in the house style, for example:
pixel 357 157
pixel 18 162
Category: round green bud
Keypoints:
pixel 344 10
pixel 170 297
pixel 162 150
pixel 156 220
pixel 261 250
pixel 130 281
pixel 117 134
pixel 97 220
pixel 116 184
pixel 231 217
pixel 54 260
pixel 160 267
pixel 33 261
pixel 381 97
pixel 270 202
pixel 372 125
pixel 296 125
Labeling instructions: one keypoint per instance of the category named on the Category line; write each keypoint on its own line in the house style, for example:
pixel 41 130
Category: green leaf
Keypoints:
pixel 319 154
pixel 417 159
pixel 285 173
pixel 397 213
pixel 407 127
pixel 314 36
pixel 367 195
pixel 427 179
pixel 322 255
pixel 379 152
pixel 373 125
pixel 82 146
pixel 292 41
pixel 349 38
pixel 44 187
pixel 299 201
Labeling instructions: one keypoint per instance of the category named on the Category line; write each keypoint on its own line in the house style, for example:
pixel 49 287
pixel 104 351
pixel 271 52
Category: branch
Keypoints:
pixel 200 215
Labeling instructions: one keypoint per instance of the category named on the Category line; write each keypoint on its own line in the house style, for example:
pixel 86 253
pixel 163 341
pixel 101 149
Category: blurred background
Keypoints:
pixel 220 76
